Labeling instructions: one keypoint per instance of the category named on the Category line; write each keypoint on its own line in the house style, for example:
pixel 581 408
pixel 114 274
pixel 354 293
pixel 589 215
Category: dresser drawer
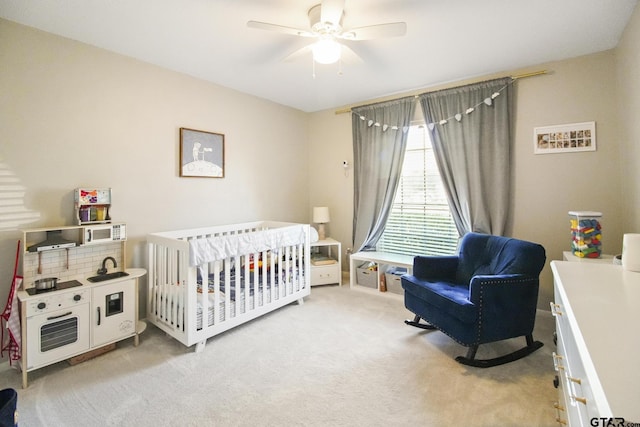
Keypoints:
pixel 574 407
pixel 576 395
pixel 326 274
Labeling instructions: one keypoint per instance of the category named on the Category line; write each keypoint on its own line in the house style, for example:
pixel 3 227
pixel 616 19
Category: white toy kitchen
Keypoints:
pixel 77 294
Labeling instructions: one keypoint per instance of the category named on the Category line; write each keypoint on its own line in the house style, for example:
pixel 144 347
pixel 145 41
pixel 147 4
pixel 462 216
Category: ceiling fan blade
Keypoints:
pixel 349 56
pixel 280 29
pixel 393 29
pixel 297 54
pixel 331 11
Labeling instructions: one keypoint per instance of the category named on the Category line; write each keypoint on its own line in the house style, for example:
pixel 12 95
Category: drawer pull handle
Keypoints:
pixel 555 309
pixel 59 316
pixel 575 380
pixel 559 408
pixel 579 399
pixel 557 359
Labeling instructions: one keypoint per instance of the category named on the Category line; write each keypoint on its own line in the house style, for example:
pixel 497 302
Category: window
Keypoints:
pixel 420 221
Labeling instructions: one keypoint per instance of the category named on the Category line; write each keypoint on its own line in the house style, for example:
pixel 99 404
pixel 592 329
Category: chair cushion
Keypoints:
pixel 450 297
pixel 483 254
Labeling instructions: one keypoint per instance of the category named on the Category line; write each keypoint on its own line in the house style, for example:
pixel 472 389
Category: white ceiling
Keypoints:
pixel 446 40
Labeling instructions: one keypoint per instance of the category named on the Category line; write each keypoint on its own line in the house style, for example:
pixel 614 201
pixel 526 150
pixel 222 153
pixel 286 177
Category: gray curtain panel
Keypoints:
pixel 473 151
pixel 378 156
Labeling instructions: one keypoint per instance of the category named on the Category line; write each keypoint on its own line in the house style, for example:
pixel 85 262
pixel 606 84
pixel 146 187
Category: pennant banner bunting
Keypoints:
pixel 487 102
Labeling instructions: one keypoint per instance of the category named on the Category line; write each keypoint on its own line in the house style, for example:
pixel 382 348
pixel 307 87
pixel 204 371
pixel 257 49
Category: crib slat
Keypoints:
pixel 262 277
pixel 272 276
pixel 287 270
pixel 172 301
pixel 163 287
pixel 162 260
pixel 242 285
pixel 239 304
pixel 300 269
pixel 257 279
pixel 152 282
pixel 227 295
pixel 204 295
pixel 294 275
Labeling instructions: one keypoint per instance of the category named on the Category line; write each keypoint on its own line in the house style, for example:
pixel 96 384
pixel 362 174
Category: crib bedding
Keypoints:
pixel 261 297
pixel 225 246
pixel 211 311
pixel 233 278
pixel 262 280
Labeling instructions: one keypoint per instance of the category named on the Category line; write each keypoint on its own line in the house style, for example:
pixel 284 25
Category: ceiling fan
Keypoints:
pixel 325 25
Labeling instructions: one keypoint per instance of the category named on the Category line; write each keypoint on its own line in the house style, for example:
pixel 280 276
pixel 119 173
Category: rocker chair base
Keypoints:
pixel 470 359
pixel 416 322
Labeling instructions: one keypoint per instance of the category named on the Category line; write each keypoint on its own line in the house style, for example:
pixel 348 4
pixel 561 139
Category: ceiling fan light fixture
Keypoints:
pixel 326 51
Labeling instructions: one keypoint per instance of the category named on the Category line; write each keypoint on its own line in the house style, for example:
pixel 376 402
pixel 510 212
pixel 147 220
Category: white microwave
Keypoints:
pixel 104 233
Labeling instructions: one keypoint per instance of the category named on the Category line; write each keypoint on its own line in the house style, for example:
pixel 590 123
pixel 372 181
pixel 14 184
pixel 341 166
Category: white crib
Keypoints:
pixel 202 282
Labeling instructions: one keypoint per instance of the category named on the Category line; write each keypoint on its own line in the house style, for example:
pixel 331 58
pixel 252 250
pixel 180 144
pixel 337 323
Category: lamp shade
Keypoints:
pixel 321 215
pixel 326 51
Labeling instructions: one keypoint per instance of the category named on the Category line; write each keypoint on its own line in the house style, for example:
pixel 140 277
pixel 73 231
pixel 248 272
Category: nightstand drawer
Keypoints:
pixel 325 274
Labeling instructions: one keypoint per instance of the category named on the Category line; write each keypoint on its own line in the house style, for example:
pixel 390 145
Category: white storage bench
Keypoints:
pixel 381 259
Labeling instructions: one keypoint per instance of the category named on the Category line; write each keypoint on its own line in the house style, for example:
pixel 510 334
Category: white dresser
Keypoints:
pixel 597 311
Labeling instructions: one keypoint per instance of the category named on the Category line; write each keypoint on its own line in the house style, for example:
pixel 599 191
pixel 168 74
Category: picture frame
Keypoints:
pixel 201 154
pixel 567 138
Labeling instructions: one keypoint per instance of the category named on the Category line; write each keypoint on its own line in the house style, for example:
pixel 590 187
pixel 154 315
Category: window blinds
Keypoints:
pixel 420 222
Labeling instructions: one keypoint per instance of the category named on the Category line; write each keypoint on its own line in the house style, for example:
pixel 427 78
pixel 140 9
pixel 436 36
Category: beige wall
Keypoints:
pixel 546 187
pixel 628 69
pixel 72 115
pixel 331 184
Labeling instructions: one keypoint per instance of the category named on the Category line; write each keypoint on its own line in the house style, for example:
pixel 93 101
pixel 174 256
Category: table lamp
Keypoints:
pixel 321 217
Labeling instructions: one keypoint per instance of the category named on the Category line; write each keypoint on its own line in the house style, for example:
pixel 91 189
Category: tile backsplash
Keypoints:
pixel 83 261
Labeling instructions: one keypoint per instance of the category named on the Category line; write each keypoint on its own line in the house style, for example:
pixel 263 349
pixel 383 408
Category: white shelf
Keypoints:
pixel 380 258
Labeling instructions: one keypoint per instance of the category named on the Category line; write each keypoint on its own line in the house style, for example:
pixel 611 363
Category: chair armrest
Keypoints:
pixel 435 267
pixel 511 286
pixel 506 305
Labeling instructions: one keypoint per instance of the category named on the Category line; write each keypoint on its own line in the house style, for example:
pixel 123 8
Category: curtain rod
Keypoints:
pixel 516 77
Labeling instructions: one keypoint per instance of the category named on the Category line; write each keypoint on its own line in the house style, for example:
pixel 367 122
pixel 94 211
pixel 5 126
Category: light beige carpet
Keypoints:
pixel 344 358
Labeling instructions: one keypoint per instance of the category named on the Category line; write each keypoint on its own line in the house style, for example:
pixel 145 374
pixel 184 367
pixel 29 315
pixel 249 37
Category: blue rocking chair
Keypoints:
pixel 487 293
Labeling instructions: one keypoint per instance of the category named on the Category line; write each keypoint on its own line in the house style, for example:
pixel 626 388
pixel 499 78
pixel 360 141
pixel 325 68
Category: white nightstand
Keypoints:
pixel 324 274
